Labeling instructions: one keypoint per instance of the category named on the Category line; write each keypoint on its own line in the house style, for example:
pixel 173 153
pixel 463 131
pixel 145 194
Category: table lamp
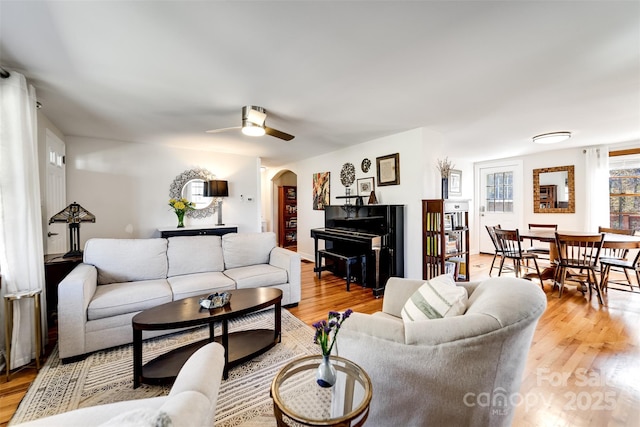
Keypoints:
pixel 73 215
pixel 219 189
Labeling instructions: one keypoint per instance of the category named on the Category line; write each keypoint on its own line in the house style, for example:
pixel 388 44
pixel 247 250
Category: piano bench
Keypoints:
pixel 349 260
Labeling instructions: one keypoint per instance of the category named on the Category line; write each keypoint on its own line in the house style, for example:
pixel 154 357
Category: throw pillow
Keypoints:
pixel 436 298
pixel 143 417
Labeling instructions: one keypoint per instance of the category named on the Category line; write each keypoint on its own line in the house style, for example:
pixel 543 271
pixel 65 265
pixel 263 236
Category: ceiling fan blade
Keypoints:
pixel 278 134
pixel 222 129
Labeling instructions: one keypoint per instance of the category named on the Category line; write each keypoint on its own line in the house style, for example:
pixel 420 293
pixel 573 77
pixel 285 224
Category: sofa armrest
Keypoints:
pixel 74 295
pixel 289 261
pixel 199 377
pixel 379 326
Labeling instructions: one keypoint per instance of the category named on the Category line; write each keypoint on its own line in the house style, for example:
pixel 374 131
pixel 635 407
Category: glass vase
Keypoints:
pixel 326 373
pixel 180 219
pixel 445 188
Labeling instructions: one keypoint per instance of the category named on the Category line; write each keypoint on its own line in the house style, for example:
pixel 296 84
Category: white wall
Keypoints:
pixel 126 186
pixel 419 150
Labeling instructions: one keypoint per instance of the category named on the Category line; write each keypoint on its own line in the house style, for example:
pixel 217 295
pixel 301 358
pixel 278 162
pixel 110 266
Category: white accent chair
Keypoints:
pixel 191 401
pixel 441 372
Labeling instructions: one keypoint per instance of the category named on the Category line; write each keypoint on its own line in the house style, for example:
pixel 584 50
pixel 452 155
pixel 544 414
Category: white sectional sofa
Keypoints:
pixel 121 277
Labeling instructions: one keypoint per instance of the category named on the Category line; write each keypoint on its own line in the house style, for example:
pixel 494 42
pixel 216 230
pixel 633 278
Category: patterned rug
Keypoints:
pixel 106 376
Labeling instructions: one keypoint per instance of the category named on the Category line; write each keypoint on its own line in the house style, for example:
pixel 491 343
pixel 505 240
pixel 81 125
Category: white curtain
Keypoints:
pixel 21 246
pixel 597 185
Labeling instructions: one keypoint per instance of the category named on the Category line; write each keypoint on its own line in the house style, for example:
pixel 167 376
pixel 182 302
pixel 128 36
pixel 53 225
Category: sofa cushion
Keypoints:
pixel 257 275
pixel 194 254
pixel 192 285
pixel 436 298
pixel 247 249
pixel 127 260
pixel 129 297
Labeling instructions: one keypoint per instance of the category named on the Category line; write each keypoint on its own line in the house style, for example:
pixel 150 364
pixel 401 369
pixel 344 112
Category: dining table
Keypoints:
pixel 611 240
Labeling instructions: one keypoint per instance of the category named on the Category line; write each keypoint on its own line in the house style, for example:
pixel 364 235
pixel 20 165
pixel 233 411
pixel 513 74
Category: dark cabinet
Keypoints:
pixel 56 268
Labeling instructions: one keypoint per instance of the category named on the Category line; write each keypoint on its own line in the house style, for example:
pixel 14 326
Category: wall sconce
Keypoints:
pixel 219 189
pixel 73 215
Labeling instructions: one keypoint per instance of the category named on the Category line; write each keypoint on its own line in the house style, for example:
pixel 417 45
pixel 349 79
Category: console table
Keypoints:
pixel 198 230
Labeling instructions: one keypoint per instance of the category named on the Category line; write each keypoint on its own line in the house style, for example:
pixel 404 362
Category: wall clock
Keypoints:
pixel 348 174
pixel 365 165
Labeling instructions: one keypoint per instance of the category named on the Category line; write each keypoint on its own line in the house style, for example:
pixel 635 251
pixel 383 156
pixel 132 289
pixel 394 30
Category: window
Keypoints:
pixel 500 192
pixel 624 190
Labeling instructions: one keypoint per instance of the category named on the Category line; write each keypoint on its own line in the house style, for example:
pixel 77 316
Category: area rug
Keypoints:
pixel 106 376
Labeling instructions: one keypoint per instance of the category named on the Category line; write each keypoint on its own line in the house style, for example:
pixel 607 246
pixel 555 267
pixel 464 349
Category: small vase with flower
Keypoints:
pixel 445 166
pixel 325 337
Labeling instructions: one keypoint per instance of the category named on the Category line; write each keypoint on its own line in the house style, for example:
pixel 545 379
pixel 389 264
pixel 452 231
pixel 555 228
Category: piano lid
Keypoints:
pixel 337 231
pixel 341 235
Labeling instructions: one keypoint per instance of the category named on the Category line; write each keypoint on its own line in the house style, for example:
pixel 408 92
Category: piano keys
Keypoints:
pixel 376 231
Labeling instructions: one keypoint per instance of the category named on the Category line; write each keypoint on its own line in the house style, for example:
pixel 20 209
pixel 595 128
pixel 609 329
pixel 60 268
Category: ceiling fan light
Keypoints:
pixel 251 129
pixel 552 137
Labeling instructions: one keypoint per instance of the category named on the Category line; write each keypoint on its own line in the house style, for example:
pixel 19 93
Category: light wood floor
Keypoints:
pixel 583 367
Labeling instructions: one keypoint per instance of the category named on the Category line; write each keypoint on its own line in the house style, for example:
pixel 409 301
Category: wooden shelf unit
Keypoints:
pixel 287 216
pixel 548 196
pixel 445 238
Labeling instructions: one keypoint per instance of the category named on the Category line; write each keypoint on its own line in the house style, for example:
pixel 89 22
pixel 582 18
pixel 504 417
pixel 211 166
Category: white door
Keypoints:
pixel 57 238
pixel 500 199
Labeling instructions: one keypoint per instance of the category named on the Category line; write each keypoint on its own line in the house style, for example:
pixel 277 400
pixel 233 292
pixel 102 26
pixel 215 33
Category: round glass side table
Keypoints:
pixel 299 400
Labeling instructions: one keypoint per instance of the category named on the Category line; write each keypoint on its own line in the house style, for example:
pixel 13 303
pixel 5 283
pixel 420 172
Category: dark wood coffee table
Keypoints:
pixel 240 346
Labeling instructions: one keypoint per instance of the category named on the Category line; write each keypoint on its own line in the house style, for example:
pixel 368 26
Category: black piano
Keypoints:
pixel 376 231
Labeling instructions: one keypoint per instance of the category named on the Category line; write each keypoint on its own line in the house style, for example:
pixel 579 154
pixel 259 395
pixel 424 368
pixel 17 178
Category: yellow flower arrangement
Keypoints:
pixel 180 206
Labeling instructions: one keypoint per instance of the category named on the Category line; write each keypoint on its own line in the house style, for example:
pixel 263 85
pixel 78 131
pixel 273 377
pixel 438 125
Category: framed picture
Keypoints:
pixel 455 183
pixel 388 169
pixel 321 190
pixel 365 186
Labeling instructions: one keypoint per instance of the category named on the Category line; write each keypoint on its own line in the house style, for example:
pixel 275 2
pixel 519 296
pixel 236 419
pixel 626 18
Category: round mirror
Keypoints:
pixel 190 185
pixel 193 191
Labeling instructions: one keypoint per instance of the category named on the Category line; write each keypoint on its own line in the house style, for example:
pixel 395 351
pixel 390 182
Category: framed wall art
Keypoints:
pixel 455 182
pixel 388 169
pixel 321 190
pixel 365 186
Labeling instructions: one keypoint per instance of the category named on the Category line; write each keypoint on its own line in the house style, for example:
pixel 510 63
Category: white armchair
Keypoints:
pixel 191 401
pixel 463 370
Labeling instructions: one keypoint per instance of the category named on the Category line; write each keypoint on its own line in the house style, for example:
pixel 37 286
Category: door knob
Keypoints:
pixel 49 234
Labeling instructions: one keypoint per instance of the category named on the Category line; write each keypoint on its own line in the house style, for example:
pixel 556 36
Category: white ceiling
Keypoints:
pixel 487 75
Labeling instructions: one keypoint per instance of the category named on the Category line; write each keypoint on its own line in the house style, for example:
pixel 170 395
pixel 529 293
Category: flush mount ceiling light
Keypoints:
pixel 552 137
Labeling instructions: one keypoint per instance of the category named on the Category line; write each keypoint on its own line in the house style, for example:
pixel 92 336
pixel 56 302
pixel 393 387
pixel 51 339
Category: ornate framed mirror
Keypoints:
pixel 189 185
pixel 553 190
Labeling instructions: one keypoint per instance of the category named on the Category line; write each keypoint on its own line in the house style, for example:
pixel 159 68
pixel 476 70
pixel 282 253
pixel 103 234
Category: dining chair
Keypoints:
pixel 619 264
pixel 607 254
pixel 509 243
pixel 498 250
pixel 581 253
pixel 541 251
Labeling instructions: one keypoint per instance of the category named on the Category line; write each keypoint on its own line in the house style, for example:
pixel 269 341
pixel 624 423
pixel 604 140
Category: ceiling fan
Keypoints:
pixel 253 119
